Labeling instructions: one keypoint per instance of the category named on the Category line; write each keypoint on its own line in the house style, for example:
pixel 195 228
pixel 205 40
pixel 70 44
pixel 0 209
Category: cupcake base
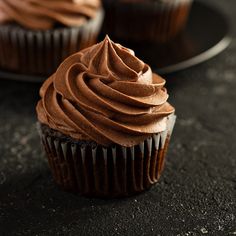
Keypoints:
pixel 116 171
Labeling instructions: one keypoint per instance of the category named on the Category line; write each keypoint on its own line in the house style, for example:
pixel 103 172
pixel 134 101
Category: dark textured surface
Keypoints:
pixel 195 196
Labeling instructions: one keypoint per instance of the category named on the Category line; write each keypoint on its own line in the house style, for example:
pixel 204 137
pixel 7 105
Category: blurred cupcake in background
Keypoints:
pixel 105 122
pixel 36 35
pixel 145 20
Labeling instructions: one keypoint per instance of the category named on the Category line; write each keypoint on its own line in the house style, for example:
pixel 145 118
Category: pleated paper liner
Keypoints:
pixel 148 21
pixel 116 171
pixel 40 52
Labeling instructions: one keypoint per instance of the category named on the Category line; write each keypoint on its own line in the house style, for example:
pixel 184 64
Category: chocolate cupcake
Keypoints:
pixel 105 122
pixel 36 36
pixel 156 21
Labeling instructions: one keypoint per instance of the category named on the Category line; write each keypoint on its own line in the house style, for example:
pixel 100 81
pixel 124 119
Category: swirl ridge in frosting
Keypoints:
pixel 45 14
pixel 105 94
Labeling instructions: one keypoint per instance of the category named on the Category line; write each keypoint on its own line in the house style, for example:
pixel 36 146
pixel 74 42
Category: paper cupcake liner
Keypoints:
pixel 41 52
pixel 93 170
pixel 149 22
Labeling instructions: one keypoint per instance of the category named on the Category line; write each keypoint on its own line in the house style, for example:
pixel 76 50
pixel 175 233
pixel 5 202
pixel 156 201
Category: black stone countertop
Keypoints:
pixel 196 194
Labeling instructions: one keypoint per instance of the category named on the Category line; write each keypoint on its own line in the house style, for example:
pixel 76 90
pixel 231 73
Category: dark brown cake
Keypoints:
pixel 92 170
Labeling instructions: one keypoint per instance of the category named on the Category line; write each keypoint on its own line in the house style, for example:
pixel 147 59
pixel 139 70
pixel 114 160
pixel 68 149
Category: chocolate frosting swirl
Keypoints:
pixel 105 94
pixel 45 14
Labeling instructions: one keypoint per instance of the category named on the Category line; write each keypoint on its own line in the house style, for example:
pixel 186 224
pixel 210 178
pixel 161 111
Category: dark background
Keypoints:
pixel 196 195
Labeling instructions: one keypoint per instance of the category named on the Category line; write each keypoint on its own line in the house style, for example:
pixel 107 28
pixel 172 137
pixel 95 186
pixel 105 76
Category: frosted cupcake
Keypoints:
pixel 36 36
pixel 105 122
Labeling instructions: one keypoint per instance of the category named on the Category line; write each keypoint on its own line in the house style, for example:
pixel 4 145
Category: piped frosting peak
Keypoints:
pixel 105 94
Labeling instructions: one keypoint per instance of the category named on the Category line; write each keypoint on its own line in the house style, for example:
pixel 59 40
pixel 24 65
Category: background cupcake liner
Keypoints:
pixel 148 21
pixel 40 52
pixel 116 171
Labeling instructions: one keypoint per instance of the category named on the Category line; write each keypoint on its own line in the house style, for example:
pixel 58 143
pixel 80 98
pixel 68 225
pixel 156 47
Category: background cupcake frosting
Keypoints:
pixel 37 35
pixel 106 94
pixel 44 14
